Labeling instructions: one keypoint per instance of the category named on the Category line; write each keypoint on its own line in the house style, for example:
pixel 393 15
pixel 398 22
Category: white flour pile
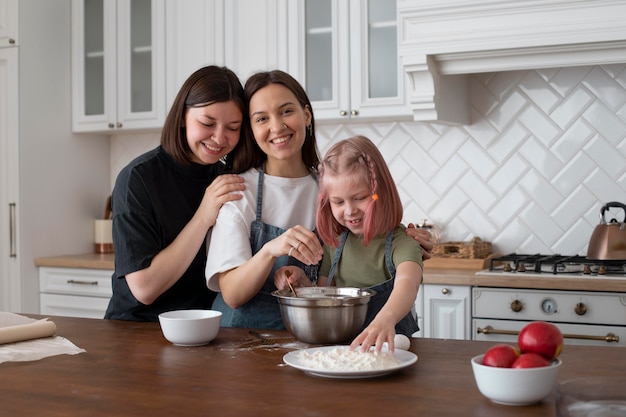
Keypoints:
pixel 344 360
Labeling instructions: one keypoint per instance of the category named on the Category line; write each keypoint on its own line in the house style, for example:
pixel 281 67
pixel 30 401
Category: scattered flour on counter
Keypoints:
pixel 344 360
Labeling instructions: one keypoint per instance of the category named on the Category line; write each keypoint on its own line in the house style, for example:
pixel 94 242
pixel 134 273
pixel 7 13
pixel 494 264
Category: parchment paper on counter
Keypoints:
pixel 27 339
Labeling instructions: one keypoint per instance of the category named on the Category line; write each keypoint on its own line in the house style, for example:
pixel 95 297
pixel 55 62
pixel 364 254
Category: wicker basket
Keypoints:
pixel 475 249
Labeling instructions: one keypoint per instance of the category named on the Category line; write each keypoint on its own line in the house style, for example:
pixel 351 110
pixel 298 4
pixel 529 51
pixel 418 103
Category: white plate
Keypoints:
pixel 293 359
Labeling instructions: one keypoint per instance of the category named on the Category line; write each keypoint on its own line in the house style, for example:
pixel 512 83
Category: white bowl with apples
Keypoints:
pixel 524 374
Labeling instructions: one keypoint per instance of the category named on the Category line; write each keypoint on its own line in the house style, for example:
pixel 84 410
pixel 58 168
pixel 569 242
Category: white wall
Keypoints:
pixel 544 151
pixel 64 178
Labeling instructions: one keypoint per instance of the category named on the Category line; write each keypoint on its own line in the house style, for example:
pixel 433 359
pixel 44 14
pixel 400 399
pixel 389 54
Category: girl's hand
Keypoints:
pixel 221 190
pixel 380 330
pixel 424 238
pixel 298 242
pixel 295 275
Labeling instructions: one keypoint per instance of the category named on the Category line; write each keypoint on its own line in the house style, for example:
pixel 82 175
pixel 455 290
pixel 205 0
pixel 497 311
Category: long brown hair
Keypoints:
pixel 207 85
pixel 358 158
pixel 251 155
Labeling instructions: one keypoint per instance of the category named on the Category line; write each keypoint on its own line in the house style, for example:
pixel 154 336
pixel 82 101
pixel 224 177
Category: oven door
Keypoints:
pixel 574 334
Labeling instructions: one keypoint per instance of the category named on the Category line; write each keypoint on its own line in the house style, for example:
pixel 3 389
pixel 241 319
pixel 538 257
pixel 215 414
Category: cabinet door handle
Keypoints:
pixel 12 232
pixel 354 112
pixel 80 282
pixel 609 337
pixel 445 291
pixel 343 113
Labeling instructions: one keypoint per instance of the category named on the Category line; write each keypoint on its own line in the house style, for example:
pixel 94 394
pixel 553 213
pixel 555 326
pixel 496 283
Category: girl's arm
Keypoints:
pixel 171 263
pixel 383 327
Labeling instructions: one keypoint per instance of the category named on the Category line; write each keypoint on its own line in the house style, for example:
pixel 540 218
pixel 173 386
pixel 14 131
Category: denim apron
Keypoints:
pixel 408 325
pixel 263 310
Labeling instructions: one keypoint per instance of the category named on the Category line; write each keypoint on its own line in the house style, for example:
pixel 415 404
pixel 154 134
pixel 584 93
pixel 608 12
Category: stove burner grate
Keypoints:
pixel 556 264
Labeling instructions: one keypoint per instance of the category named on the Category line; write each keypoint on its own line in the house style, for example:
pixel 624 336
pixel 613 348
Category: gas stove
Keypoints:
pixel 584 317
pixel 575 265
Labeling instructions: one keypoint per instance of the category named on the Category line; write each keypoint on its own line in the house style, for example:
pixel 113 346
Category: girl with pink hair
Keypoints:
pixel 365 245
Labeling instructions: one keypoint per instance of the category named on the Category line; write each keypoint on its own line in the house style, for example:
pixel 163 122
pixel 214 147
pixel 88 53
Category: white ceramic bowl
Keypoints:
pixel 190 327
pixel 511 386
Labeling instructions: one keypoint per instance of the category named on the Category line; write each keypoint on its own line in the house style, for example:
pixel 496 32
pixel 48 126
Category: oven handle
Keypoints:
pixel 610 337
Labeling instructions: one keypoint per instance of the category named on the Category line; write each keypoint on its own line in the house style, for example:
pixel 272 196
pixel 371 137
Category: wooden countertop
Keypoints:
pixel 129 369
pixel 85 260
pixel 445 276
pixel 439 275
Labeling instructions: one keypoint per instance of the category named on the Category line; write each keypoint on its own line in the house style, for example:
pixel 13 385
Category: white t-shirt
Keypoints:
pixel 287 202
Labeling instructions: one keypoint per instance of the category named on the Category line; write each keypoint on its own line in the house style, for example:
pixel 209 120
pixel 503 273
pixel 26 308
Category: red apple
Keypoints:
pixel 530 360
pixel 542 338
pixel 501 356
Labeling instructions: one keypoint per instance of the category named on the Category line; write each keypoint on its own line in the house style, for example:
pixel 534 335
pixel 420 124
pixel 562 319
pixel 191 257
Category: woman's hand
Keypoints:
pixel 295 275
pixel 424 238
pixel 298 242
pixel 221 190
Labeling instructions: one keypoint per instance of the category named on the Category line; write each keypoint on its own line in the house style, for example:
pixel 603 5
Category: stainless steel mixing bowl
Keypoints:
pixel 324 315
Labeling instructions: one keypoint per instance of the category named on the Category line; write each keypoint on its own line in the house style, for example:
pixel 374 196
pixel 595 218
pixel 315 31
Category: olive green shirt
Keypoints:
pixel 362 266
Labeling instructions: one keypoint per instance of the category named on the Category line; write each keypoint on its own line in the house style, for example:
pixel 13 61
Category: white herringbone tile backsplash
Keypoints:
pixel 545 150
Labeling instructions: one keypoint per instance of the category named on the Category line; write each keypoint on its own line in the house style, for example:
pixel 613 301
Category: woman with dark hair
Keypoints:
pixel 166 200
pixel 272 225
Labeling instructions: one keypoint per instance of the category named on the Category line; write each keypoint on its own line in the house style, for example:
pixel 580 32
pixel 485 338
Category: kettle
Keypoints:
pixel 608 240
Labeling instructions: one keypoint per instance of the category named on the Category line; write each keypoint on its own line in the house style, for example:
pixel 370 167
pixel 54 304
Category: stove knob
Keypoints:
pixel 587 269
pixel 517 306
pixel 580 309
pixel 507 267
pixel 521 268
pixel 602 270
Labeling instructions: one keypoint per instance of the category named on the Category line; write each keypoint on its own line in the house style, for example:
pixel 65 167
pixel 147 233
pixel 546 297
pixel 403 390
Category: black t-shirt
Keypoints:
pixel 153 200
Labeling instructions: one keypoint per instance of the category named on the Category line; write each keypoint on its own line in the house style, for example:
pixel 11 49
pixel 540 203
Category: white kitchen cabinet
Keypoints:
pixel 256 35
pixel 447 311
pixel 195 38
pixel 9 192
pixel 52 182
pixel 8 23
pixel 118 63
pixel 350 60
pixel 419 311
pixel 246 36
pixel 74 292
pixel 73 306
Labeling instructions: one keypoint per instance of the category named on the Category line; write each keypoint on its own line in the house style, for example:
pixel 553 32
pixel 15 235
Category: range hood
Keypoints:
pixel 443 40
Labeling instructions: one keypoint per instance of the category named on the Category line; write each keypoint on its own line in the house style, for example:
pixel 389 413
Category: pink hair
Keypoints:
pixel 358 157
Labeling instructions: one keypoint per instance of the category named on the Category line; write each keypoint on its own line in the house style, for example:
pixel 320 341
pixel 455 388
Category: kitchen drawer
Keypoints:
pixel 73 306
pixel 601 307
pixel 574 334
pixel 75 281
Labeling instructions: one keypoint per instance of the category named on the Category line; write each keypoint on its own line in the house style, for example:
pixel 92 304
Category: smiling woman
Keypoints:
pixel 166 200
pixel 212 131
pixel 271 226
